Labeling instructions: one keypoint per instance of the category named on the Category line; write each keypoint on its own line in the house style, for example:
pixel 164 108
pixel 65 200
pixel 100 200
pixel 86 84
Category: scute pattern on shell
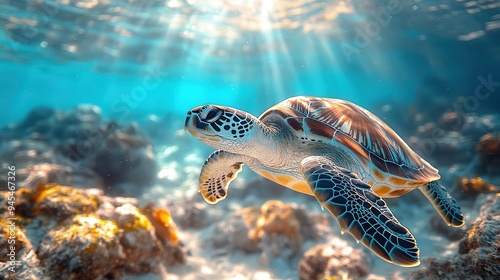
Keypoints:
pixel 368 137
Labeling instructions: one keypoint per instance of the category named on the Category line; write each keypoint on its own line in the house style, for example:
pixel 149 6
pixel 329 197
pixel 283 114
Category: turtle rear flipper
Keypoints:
pixel 219 169
pixel 360 211
pixel 444 203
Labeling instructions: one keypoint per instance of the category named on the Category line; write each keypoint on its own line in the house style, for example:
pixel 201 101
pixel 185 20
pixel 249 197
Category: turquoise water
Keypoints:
pixel 135 57
pixel 429 69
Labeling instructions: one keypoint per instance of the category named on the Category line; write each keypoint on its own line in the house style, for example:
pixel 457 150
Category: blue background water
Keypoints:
pixel 137 58
pixel 133 57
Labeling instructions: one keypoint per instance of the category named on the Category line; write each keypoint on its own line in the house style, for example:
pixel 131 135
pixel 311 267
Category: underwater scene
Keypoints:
pixel 249 139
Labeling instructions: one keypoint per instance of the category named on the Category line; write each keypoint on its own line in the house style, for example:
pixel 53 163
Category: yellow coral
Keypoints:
pixel 92 228
pixel 489 144
pixel 250 215
pixel 136 222
pixel 163 223
pixel 475 185
pixel 277 217
pixel 54 193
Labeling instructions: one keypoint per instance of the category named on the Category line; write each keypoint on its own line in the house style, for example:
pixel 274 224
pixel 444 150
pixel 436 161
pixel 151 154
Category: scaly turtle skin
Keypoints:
pixel 331 149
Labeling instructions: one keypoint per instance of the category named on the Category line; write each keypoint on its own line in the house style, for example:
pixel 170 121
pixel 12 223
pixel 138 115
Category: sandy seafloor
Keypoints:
pixel 179 167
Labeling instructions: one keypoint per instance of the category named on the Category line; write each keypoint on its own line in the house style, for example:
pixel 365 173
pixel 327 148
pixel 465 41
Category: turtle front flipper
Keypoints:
pixel 219 169
pixel 444 203
pixel 360 211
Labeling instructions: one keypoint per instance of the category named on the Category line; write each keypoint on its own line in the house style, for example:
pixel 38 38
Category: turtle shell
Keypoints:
pixel 363 134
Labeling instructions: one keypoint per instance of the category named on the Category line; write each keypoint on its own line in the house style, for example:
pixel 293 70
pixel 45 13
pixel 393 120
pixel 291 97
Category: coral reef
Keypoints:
pixel 122 151
pixel 451 121
pixel 489 145
pixel 450 138
pixel 479 249
pixel 38 160
pixel 275 229
pixel 277 218
pixel 77 148
pixel 191 214
pixel 233 232
pixel 471 187
pixel 69 233
pixel 335 260
pixel 78 232
pixel 166 231
pixel 488 150
pixel 453 139
pixel 63 201
pixel 84 247
pixel 30 267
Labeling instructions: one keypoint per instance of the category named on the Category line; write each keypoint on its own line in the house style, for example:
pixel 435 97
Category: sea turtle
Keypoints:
pixel 331 149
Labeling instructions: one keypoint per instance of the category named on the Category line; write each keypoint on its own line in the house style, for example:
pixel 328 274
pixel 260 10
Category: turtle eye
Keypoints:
pixel 212 114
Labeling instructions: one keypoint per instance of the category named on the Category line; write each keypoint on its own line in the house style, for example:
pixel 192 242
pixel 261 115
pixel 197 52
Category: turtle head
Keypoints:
pixel 222 127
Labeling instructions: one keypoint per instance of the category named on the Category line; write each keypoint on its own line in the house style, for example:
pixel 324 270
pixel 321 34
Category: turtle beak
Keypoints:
pixel 193 121
pixel 197 128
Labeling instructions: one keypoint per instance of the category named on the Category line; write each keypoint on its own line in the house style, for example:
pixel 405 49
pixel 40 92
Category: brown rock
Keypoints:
pixel 62 201
pixel 140 245
pixel 479 249
pixel 488 150
pixel 85 247
pixel 277 218
pixel 275 229
pixel 81 234
pixel 166 232
pixel 191 214
pixel 451 121
pixel 335 260
pixel 489 145
pixel 474 186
